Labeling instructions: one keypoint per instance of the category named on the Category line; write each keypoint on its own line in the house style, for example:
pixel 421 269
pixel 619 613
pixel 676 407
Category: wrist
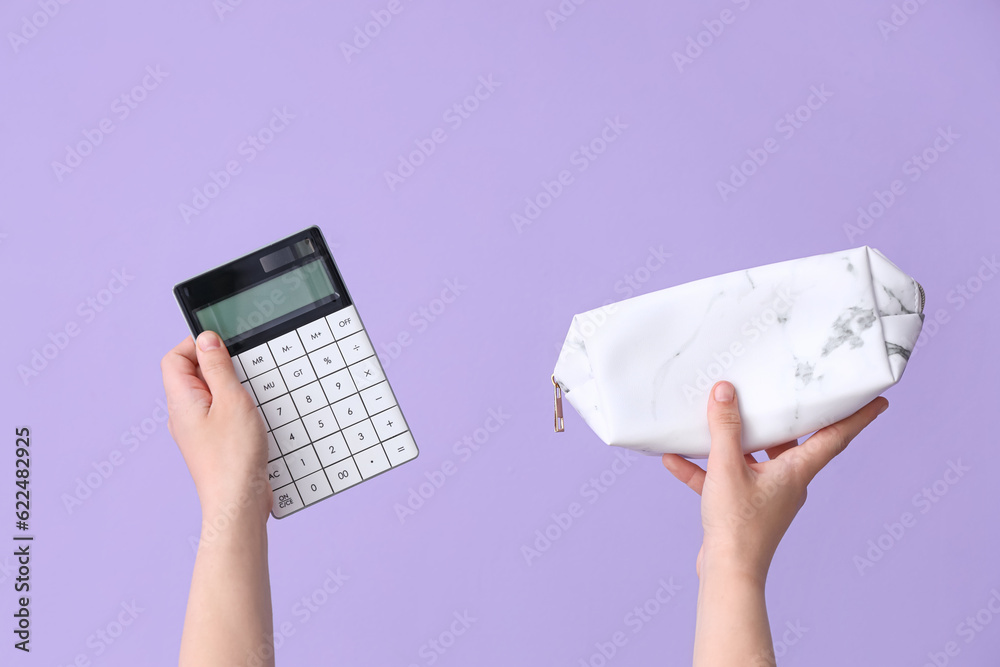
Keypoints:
pixel 224 530
pixel 733 564
pixel 249 501
pixel 244 512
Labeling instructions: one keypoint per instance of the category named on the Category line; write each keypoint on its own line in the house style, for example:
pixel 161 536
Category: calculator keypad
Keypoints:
pixel 332 419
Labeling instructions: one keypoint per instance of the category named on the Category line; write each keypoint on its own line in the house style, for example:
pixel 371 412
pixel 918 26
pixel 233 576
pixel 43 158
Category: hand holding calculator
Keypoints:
pixel 301 350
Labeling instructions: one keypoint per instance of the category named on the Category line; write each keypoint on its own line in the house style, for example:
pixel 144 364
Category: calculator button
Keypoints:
pixel 262 417
pixel 297 373
pixel 286 501
pixel 338 385
pixel 302 462
pixel 332 449
pixel 349 411
pixel 367 373
pixel 344 322
pixel 315 334
pixel 273 451
pixel 246 385
pixel 356 347
pixel 291 436
pixel 238 367
pixel 389 423
pixel 268 385
pixel 314 487
pixel 320 423
pixel 280 411
pixel 309 398
pixel 285 348
pixel 360 436
pixel 343 474
pixel 277 474
pixel 372 461
pixel 378 398
pixel 257 361
pixel 400 449
pixel 327 360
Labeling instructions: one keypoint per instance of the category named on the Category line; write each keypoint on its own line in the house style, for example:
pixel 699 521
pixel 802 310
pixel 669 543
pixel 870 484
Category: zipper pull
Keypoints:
pixel 558 406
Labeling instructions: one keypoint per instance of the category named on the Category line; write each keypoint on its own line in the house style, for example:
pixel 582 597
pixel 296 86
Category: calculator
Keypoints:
pixel 301 351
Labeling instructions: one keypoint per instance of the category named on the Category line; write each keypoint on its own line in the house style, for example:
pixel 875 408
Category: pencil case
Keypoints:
pixel 806 342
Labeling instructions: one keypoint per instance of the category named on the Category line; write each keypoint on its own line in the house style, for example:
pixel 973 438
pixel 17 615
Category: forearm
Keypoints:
pixel 732 628
pixel 229 609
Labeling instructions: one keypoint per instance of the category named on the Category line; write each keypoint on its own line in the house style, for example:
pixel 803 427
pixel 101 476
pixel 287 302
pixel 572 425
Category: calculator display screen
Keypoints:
pixel 268 301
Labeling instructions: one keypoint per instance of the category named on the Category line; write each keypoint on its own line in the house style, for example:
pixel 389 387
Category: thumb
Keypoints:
pixel 726 428
pixel 216 364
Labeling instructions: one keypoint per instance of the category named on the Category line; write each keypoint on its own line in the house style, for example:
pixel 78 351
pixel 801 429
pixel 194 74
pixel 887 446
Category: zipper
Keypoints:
pixel 558 421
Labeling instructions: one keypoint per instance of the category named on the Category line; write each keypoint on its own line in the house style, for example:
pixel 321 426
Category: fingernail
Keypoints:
pixel 885 406
pixel 208 340
pixel 724 392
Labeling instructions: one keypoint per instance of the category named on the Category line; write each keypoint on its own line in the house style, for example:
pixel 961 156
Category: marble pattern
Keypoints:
pixel 806 342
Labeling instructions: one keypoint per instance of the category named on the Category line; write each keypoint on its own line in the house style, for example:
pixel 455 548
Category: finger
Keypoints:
pixel 725 426
pixel 749 458
pixel 686 471
pixel 827 442
pixel 216 365
pixel 180 377
pixel 778 450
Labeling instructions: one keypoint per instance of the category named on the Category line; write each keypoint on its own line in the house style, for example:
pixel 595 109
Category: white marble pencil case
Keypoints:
pixel 806 342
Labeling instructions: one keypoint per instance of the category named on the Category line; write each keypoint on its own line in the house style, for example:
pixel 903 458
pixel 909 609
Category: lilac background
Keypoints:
pixel 495 346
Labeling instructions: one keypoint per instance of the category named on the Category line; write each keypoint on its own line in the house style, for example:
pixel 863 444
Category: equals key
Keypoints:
pixel 401 448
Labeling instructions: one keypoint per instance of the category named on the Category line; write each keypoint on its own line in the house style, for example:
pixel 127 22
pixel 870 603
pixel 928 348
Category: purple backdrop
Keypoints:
pixel 641 131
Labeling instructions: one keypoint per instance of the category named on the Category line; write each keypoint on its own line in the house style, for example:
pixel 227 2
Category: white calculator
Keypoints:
pixel 301 351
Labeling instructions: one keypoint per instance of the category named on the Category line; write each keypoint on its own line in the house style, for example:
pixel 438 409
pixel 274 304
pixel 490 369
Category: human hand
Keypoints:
pixel 217 428
pixel 746 506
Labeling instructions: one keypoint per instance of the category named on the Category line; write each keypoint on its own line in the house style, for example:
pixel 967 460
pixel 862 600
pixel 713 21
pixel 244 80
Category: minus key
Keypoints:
pixel 378 397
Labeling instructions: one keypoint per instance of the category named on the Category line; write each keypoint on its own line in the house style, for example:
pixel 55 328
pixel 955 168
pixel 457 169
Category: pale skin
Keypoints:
pixel 746 507
pixel 222 438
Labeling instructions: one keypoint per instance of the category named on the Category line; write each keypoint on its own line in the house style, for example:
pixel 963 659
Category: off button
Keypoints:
pixel 344 322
